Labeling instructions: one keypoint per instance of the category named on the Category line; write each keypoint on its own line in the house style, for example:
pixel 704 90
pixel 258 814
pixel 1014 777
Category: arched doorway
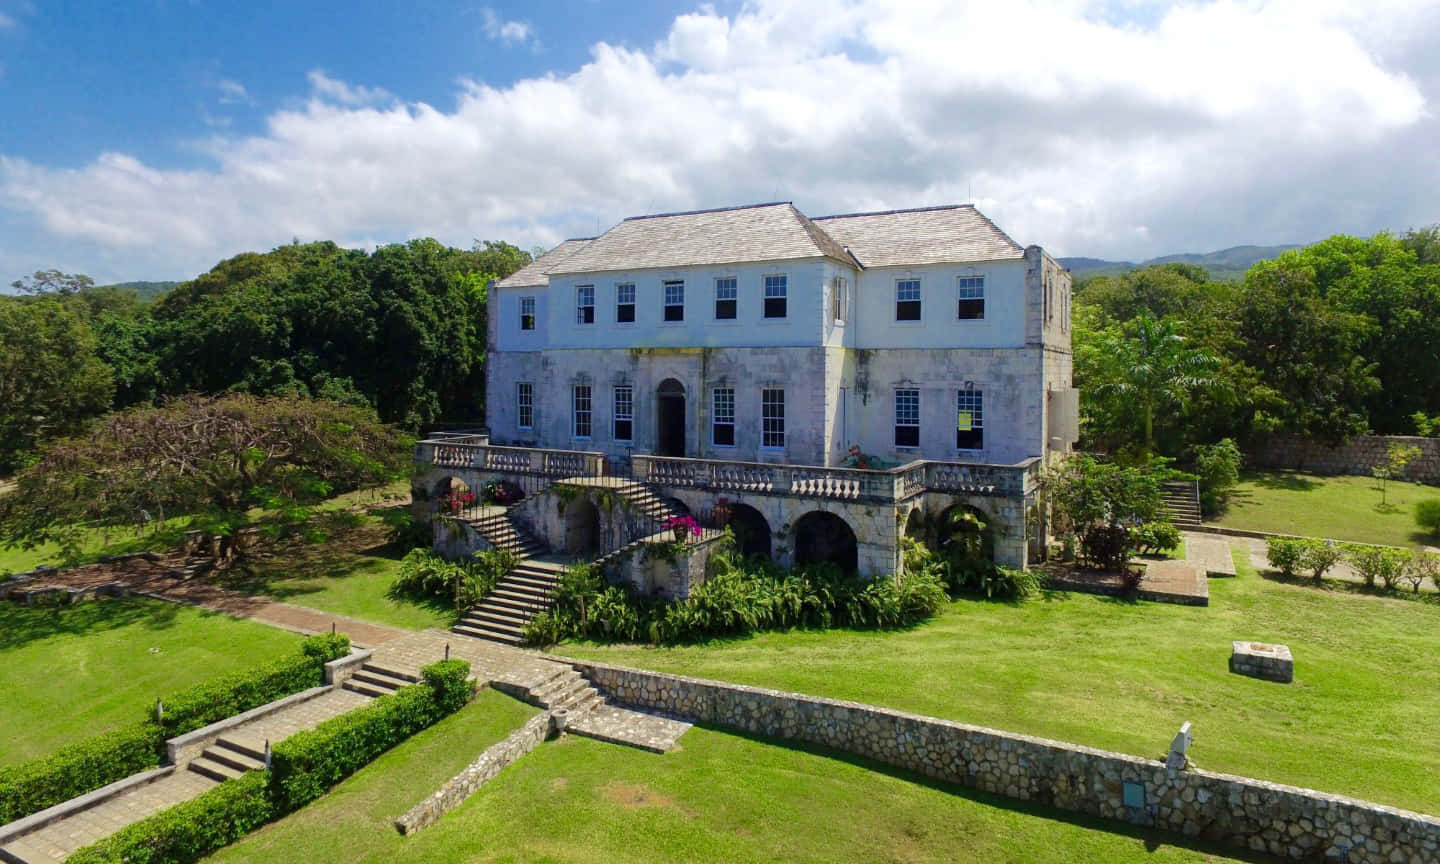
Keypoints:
pixel 452 496
pixel 670 418
pixel 752 532
pixel 963 533
pixel 822 537
pixel 582 528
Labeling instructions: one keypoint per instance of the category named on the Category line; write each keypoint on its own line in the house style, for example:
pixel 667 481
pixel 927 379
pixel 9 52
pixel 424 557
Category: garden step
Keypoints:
pixel 365 689
pixel 521 594
pixel 493 636
pixel 498 621
pixel 557 691
pixel 235 759
pixel 514 628
pixel 584 705
pixel 243 749
pixel 383 682
pixel 397 674
pixel 528 608
pixel 539 583
pixel 207 767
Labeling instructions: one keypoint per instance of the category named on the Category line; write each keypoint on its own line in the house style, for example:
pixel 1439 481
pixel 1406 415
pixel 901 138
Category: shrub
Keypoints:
pixel 1383 563
pixel 189 831
pixel 227 696
pixel 1421 566
pixel 310 762
pixel 1152 538
pixel 82 767
pixel 1100 500
pixel 1427 515
pixel 1318 556
pixel 1285 554
pixel 1217 466
pixel 423 573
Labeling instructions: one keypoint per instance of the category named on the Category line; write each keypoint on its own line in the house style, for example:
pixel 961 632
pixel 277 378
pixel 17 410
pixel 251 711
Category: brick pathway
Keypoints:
pixel 1210 552
pixel 646 730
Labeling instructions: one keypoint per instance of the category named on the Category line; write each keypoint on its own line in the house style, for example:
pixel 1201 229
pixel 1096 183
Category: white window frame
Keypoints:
pixel 839 291
pixel 772 423
pixel 970 287
pixel 524 404
pixel 588 411
pixel 734 289
pixel 667 305
pixel 620 292
pixel 907 415
pixel 776 287
pixel 627 415
pixel 904 287
pixel 524 302
pixel 974 400
pixel 722 398
pixel 584 299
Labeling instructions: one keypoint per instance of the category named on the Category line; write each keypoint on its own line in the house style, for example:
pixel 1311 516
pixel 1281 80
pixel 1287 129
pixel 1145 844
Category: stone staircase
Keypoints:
pixel 565 689
pixel 1182 500
pixel 496 526
pixel 375 681
pixel 519 596
pixel 646 501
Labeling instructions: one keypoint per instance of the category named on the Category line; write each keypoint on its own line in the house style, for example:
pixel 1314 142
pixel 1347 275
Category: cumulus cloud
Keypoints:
pixel 1101 128
pixel 505 31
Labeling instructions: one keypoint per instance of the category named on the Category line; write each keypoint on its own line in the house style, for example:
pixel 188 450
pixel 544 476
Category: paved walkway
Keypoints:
pixel 1211 552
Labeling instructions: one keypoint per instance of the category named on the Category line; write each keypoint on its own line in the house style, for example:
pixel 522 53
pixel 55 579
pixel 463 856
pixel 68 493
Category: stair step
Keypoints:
pixel 555 688
pixel 365 689
pixel 242 748
pixel 587 703
pixel 207 767
pixel 516 628
pixel 502 638
pixel 397 674
pixel 235 759
pixel 375 679
pixel 522 594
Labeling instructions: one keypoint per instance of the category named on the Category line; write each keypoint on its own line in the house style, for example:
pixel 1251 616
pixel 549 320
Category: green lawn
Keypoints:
pixel 1123 676
pixel 1337 508
pixel 719 798
pixel 73 671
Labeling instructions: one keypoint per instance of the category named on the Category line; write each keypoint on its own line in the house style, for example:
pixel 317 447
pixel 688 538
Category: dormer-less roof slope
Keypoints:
pixel 929 235
pixel 536 273
pixel 762 232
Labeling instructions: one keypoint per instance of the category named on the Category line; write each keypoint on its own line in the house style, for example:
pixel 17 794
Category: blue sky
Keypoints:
pixel 151 139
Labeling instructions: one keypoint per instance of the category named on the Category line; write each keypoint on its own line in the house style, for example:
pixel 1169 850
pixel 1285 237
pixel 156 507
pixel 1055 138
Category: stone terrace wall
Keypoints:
pixel 1252 814
pixel 1357 456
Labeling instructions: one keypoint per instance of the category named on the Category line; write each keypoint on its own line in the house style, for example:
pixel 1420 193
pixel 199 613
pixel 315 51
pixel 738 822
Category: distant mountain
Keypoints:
pixel 1226 265
pixel 147 291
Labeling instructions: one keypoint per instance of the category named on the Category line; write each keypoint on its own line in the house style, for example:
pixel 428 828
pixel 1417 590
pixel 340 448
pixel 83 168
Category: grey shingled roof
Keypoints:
pixel 535 274
pixel 929 235
pixel 762 232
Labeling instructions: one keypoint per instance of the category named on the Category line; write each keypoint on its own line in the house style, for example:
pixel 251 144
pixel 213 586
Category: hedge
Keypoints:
pixel 74 770
pixel 103 759
pixel 303 767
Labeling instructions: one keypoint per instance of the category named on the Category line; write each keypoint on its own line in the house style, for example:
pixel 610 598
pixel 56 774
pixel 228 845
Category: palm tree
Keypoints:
pixel 1147 361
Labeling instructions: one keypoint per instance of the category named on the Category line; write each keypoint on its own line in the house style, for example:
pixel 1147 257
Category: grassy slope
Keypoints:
pixel 1123 676
pixel 1339 508
pixel 581 801
pixel 70 672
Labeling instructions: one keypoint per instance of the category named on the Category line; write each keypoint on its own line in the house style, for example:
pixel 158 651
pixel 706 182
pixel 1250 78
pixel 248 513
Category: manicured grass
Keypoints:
pixel 1124 676
pixel 73 671
pixel 720 798
pixel 1337 508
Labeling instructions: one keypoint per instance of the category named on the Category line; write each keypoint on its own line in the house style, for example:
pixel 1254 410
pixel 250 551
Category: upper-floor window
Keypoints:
pixel 839 297
pixel 1065 311
pixel 772 417
pixel 776 288
pixel 907 418
pixel 971 293
pixel 585 304
pixel 907 300
pixel 624 414
pixel 580 407
pixel 625 303
pixel 725 299
pixel 524 405
pixel 527 313
pixel 969 420
pixel 722 417
pixel 675 301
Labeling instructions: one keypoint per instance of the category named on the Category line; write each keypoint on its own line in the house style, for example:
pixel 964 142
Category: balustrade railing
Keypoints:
pixel 483 456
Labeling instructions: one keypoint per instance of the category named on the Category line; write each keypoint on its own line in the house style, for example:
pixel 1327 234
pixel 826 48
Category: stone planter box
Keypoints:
pixel 1262 660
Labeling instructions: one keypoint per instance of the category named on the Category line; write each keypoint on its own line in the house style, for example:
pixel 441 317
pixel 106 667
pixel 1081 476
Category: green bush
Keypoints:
pixel 1217 466
pixel 1427 515
pixel 1285 554
pixel 1318 556
pixel 1421 566
pixel 1153 538
pixel 308 763
pixel 423 573
pixel 1384 564
pixel 83 767
pixel 189 831
pixel 218 698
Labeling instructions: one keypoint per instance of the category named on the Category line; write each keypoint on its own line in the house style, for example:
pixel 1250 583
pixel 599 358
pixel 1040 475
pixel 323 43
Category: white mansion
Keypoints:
pixel 740 357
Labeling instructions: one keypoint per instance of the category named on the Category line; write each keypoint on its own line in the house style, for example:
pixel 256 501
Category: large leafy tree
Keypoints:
pixel 212 458
pixel 50 377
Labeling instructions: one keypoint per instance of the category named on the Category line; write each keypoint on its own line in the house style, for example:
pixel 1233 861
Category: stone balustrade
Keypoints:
pixel 472 452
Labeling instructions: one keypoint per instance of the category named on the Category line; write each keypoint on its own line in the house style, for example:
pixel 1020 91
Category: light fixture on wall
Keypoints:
pixel 969 385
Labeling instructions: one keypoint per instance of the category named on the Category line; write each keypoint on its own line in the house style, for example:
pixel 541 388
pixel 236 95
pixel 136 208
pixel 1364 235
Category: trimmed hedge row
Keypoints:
pixel 303 767
pixel 103 759
pixel 74 770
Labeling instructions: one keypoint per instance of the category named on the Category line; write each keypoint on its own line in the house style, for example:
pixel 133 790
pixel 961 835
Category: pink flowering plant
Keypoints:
pixel 682 526
pixel 455 502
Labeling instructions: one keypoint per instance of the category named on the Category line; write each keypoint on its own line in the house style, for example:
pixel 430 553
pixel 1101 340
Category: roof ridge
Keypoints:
pixel 824 243
pixel 902 210
pixel 707 210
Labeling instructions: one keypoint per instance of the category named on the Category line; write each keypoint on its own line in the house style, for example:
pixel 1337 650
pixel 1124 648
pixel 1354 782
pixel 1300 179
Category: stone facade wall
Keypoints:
pixel 477 774
pixel 667 577
pixel 1252 814
pixel 1357 456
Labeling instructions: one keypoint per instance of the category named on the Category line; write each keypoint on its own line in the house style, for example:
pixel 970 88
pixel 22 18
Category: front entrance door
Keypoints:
pixel 670 419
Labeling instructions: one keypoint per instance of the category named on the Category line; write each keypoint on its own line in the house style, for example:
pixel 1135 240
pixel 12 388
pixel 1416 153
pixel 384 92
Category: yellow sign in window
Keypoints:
pixel 965 424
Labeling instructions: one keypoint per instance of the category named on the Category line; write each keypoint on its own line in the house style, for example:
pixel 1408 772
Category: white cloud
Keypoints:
pixel 1199 127
pixel 505 31
pixel 325 87
pixel 233 93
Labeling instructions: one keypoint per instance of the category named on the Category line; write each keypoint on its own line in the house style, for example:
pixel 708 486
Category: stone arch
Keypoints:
pixel 670 418
pixel 752 531
pixel 582 528
pixel 915 524
pixel 446 495
pixel 822 536
pixel 960 525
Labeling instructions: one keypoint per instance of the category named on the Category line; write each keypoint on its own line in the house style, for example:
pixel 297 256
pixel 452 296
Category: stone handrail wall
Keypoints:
pixel 525 460
pixel 1357 456
pixel 1285 821
pixel 475 775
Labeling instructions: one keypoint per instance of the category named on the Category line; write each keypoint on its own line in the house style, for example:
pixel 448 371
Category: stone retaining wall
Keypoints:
pixel 1252 814
pixel 1357 456
pixel 477 774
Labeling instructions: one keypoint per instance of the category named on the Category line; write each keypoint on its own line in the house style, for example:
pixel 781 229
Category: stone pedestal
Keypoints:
pixel 1262 660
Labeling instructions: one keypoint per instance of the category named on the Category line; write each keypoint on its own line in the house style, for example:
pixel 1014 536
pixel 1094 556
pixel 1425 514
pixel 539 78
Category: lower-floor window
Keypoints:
pixel 624 414
pixel 970 420
pixel 581 406
pixel 722 417
pixel 907 418
pixel 772 418
pixel 525 405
